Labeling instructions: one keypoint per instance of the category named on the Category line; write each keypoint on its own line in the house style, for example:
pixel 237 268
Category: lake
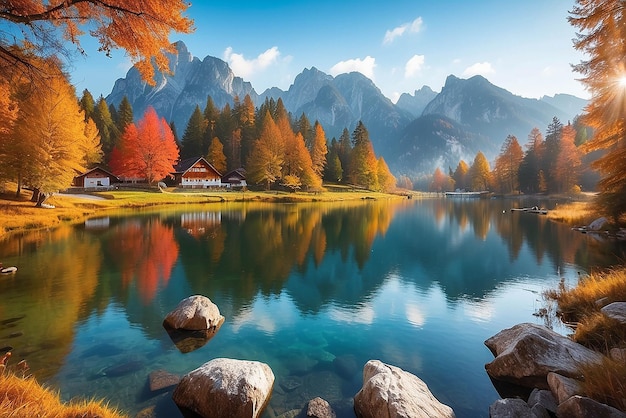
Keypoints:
pixel 314 290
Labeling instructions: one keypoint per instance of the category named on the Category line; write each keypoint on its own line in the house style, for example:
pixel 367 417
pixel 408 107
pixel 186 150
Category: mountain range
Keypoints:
pixel 420 132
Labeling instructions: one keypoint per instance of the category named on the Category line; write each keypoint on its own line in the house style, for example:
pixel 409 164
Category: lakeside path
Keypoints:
pixel 20 214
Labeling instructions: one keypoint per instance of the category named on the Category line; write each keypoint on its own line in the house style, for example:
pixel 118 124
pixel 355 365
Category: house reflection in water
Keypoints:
pixel 97 223
pixel 198 224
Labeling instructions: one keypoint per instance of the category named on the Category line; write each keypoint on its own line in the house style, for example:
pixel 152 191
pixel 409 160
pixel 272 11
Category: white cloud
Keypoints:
pixel 414 66
pixel 480 68
pixel 246 67
pixel 412 27
pixel 364 66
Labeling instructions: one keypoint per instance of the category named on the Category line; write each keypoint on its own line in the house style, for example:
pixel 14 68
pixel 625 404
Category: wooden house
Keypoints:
pixel 197 173
pixel 95 178
pixel 236 178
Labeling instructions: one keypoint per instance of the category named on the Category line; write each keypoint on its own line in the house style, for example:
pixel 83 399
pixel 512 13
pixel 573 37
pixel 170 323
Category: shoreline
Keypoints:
pixel 19 215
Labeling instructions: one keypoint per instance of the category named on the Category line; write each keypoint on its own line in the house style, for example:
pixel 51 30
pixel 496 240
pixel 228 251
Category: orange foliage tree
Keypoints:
pixel 141 27
pixel 147 150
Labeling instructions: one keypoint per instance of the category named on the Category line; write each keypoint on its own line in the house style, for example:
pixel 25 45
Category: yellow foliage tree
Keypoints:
pixel 215 155
pixel 50 141
pixel 267 155
pixel 601 38
pixel 480 173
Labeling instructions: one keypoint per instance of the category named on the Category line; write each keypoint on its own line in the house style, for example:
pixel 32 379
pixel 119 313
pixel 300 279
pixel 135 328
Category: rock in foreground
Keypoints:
pixel 390 392
pixel 226 388
pixel 195 313
pixel 526 353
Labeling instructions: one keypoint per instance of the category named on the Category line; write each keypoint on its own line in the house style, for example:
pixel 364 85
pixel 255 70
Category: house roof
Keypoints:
pixel 108 173
pixel 184 165
pixel 240 172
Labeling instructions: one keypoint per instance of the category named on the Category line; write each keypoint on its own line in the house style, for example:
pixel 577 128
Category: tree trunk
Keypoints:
pixel 19 186
pixel 35 196
pixel 41 198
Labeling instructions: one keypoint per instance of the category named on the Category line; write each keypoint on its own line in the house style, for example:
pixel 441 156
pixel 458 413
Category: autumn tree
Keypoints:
pixel 9 108
pixel 440 182
pixel 318 148
pixel 191 143
pixel 147 150
pixel 480 173
pixel 50 140
pixel 141 28
pixel 297 167
pixel 568 162
pixel 87 104
pixel 602 40
pixel 506 170
pixel 215 155
pixel 386 180
pixel 363 163
pixel 268 154
pixel 461 176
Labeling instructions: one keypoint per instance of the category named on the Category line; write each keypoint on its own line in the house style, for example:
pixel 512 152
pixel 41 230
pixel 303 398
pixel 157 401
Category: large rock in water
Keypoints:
pixel 390 392
pixel 194 313
pixel 226 388
pixel 526 353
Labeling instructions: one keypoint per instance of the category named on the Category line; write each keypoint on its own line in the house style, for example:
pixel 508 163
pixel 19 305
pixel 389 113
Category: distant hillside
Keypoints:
pixel 413 135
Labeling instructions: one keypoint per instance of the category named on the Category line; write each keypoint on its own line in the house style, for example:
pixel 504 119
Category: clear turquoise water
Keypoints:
pixel 313 290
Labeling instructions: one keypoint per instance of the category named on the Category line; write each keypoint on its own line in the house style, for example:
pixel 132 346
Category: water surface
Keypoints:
pixel 314 290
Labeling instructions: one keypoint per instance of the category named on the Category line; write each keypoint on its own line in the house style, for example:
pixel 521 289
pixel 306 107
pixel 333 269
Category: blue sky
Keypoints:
pixel 402 45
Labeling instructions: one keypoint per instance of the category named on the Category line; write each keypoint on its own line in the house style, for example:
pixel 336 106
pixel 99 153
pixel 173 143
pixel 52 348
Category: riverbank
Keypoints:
pixel 19 214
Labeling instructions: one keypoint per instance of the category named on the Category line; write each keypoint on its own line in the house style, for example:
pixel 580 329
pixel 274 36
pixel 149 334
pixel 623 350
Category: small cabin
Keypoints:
pixel 236 178
pixel 95 178
pixel 197 173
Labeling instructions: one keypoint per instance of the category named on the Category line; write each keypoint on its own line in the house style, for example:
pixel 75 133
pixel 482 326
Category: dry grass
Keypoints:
pixel 606 383
pixel 581 305
pixel 580 302
pixel 600 333
pixel 574 214
pixel 25 398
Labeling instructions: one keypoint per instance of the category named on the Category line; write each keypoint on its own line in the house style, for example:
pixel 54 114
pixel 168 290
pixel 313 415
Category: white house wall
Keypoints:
pixel 97 182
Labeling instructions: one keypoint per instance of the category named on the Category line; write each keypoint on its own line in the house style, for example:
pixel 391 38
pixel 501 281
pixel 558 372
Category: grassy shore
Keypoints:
pixel 25 398
pixel 580 306
pixel 20 214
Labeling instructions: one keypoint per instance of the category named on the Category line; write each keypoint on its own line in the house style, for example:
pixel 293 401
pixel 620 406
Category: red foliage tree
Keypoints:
pixel 147 150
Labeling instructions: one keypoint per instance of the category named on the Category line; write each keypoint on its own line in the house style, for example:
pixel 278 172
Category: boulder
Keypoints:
pixel 543 398
pixel 582 407
pixel 160 380
pixel 510 408
pixel 563 387
pixel 616 310
pixel 226 388
pixel 194 313
pixel 390 392
pixel 526 353
pixel 319 408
